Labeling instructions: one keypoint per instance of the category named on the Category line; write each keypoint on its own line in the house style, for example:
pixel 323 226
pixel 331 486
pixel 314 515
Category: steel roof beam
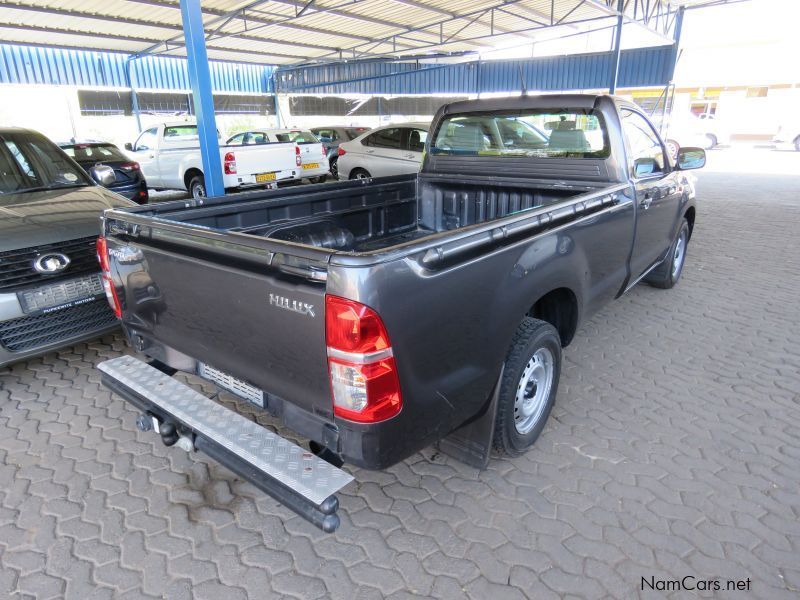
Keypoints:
pixel 143 23
pixel 129 38
pixel 255 18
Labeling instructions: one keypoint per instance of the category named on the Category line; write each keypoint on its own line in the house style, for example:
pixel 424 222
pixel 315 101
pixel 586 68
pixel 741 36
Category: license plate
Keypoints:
pixel 262 177
pixel 56 296
pixel 311 166
pixel 236 386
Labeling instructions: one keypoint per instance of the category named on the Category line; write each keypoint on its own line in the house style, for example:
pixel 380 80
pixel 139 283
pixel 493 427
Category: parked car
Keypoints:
pixel 129 182
pixel 169 156
pixel 704 131
pixel 331 137
pixel 51 291
pixel 788 137
pixel 313 156
pixel 383 151
pixel 378 317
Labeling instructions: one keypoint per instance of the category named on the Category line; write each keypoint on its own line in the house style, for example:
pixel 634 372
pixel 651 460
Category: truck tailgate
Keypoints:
pixel 264 158
pixel 232 306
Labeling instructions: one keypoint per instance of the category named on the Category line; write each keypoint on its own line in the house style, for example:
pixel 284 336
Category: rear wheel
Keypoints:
pixel 529 386
pixel 667 274
pixel 797 143
pixel 710 141
pixel 319 179
pixel 197 186
pixel 359 174
pixel 334 166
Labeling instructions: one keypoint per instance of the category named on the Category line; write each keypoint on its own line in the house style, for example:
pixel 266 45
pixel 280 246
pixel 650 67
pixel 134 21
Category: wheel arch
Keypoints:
pixel 689 216
pixel 189 175
pixel 559 307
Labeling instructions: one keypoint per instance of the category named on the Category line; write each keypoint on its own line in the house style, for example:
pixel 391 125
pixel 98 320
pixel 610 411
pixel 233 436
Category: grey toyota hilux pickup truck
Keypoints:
pixel 377 317
pixel 51 292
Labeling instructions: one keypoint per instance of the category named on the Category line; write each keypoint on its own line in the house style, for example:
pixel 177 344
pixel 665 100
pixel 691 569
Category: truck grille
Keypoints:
pixel 16 266
pixel 26 333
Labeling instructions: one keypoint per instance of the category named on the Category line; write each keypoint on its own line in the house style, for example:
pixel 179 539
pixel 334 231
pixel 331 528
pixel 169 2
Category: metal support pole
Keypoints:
pixel 612 88
pixel 200 79
pixel 134 95
pixel 676 36
pixel 275 99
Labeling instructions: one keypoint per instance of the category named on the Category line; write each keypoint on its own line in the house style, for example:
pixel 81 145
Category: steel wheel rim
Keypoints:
pixel 199 191
pixel 680 254
pixel 361 175
pixel 533 390
pixel 334 169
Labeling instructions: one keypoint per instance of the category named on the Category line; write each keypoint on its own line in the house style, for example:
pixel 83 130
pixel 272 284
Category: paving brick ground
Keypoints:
pixel 673 450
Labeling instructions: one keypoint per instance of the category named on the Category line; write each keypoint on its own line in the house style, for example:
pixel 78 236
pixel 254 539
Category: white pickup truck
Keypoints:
pixel 169 156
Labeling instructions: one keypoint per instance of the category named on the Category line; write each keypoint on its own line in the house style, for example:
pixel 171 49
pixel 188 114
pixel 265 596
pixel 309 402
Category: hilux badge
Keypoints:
pixel 293 305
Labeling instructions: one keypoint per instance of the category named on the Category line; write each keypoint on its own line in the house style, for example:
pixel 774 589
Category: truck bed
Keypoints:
pixel 373 216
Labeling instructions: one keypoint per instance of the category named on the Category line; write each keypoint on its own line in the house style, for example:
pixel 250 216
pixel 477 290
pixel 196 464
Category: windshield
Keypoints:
pixel 540 133
pixel 94 152
pixel 29 162
pixel 298 137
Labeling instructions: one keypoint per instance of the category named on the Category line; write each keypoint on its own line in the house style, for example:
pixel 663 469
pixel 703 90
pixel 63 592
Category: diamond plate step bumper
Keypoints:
pixel 293 476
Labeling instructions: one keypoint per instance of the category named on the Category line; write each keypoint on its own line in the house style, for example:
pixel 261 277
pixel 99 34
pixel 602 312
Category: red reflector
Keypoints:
pixel 102 254
pixel 363 373
pixel 341 151
pixel 352 327
pixel 108 282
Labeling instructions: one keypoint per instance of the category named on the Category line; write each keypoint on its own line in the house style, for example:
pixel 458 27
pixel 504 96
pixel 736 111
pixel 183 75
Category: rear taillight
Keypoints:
pixel 362 369
pixel 340 151
pixel 297 159
pixel 230 163
pixel 129 166
pixel 324 150
pixel 108 282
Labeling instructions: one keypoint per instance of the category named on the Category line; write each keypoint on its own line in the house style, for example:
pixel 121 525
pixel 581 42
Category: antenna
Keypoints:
pixel 522 80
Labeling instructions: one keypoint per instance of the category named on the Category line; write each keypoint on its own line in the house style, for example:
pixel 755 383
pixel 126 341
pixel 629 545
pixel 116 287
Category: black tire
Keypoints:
pixel 334 167
pixel 514 430
pixel 320 179
pixel 359 174
pixel 668 273
pixel 197 187
pixel 797 143
pixel 711 141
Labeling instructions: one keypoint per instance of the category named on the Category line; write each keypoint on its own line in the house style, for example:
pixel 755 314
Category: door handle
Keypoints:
pixel 409 155
pixel 369 151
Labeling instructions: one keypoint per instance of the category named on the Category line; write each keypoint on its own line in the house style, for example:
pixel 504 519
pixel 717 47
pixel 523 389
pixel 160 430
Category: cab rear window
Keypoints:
pixel 541 134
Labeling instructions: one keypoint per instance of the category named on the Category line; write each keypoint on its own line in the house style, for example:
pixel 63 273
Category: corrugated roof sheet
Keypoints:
pixel 290 32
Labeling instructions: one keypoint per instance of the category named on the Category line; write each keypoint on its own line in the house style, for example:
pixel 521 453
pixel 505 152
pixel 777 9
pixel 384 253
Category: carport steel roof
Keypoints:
pixel 295 32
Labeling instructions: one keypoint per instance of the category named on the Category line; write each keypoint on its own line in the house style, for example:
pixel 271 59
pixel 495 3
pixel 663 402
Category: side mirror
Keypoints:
pixel 128 146
pixel 103 174
pixel 690 158
pixel 644 166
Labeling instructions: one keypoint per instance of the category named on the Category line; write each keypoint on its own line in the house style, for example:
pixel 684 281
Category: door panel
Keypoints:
pixel 384 153
pixel 657 192
pixel 144 152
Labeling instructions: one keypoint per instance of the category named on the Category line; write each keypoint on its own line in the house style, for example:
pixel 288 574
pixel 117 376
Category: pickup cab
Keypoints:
pixel 169 156
pixel 379 316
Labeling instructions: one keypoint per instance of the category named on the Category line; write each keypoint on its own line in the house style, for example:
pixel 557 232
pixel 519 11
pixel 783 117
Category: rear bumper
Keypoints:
pixel 249 180
pixel 293 476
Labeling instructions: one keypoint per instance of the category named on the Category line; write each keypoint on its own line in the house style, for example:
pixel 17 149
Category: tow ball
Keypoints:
pixel 168 431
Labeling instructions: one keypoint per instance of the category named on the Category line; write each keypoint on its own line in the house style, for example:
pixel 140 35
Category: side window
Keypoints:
pixel 646 152
pixel 147 140
pixel 326 135
pixel 236 140
pixel 386 138
pixel 416 139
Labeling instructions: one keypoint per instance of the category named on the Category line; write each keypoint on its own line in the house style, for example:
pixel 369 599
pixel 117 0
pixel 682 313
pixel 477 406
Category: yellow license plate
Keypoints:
pixel 261 177
pixel 311 166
